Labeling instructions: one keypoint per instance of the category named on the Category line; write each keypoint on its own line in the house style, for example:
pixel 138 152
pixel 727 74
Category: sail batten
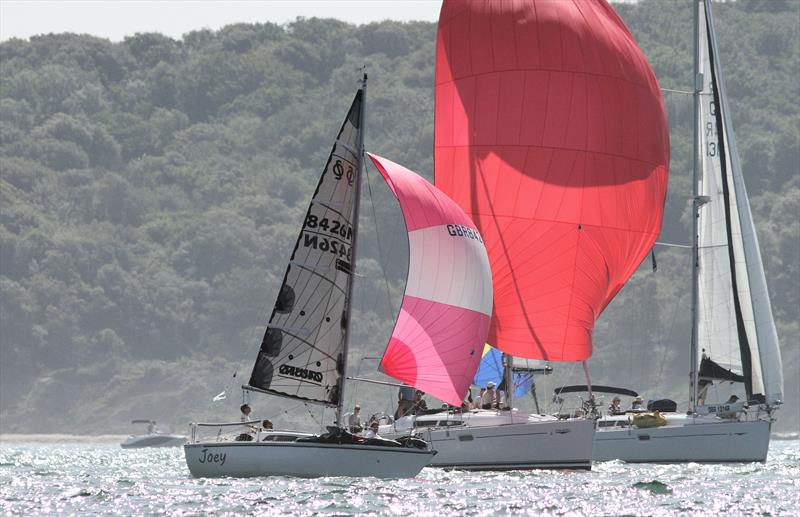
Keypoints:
pixel 444 316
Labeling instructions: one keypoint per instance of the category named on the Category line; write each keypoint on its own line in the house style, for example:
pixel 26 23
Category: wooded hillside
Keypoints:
pixel 152 190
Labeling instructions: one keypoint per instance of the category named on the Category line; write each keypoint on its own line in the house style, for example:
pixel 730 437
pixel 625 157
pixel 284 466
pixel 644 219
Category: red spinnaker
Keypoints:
pixel 550 131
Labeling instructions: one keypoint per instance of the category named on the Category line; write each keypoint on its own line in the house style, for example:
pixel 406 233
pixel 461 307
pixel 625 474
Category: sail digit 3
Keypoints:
pixel 551 133
pixel 444 318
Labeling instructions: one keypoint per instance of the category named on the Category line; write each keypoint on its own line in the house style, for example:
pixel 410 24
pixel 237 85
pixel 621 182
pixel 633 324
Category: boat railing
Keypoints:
pixel 249 431
pixel 575 406
pixel 223 431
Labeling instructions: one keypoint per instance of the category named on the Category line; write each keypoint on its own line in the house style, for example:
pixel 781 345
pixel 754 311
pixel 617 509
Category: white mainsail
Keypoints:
pixel 735 326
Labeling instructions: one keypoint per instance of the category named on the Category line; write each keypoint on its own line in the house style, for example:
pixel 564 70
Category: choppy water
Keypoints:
pixel 69 479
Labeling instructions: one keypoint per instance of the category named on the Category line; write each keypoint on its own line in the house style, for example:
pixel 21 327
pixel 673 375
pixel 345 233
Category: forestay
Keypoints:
pixel 735 326
pixel 444 317
pixel 301 355
pixel 550 132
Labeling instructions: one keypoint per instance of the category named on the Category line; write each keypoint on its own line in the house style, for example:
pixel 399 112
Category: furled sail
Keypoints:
pixel 550 132
pixel 301 353
pixel 735 326
pixel 444 317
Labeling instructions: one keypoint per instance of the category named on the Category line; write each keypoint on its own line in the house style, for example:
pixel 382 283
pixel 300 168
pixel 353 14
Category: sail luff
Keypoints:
pixel 351 279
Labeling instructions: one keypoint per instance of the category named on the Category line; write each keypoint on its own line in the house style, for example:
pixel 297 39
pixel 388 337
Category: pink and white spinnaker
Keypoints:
pixel 444 319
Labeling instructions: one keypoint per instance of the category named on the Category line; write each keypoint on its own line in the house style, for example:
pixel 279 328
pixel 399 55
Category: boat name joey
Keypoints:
pixel 217 457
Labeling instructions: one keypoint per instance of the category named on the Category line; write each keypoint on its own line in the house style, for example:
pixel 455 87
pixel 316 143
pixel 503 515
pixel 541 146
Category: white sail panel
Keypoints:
pixel 735 325
pixel 465 257
pixel 301 355
pixel 717 328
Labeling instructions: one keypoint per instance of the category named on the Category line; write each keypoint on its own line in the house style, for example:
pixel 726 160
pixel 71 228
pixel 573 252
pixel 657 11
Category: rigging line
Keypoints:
pixel 668 339
pixel 380 249
pixel 311 414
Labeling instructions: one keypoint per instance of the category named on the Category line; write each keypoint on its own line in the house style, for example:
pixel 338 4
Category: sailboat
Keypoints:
pixel 153 437
pixel 550 132
pixel 303 355
pixel 734 347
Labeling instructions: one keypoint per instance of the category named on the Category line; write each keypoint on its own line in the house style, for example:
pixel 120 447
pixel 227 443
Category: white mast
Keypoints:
pixel 357 201
pixel 696 203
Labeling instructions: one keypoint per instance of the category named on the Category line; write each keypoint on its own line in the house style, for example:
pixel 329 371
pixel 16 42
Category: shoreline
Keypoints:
pixel 61 438
pixel 118 438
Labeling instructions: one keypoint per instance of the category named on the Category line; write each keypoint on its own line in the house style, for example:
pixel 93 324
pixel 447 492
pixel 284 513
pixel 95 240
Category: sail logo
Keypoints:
pixel 457 230
pixel 305 374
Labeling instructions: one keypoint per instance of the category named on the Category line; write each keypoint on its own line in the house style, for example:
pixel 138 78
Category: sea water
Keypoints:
pixel 102 478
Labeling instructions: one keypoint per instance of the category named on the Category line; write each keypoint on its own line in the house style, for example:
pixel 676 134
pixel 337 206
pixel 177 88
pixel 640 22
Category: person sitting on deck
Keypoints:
pixel 637 404
pixel 501 398
pixel 488 400
pixel 373 431
pixel 420 406
pixel 354 421
pixel 478 402
pixel 615 408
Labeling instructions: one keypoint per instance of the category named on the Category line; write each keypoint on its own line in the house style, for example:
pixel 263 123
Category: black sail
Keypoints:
pixel 302 349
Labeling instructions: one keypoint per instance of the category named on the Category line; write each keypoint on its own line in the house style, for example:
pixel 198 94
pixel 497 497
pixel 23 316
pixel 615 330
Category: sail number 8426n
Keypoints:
pixel 335 227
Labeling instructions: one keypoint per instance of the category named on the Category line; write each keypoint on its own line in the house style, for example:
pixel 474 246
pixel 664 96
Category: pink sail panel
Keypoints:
pixel 550 132
pixel 444 318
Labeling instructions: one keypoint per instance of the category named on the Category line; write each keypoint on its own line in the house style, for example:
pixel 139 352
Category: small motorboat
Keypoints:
pixel 153 438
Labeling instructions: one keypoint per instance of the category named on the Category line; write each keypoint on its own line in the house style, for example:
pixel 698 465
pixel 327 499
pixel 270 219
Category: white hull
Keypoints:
pixel 153 440
pixel 686 439
pixel 500 440
pixel 303 459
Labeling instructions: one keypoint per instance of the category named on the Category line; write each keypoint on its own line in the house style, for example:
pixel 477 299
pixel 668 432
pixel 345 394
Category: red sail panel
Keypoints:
pixel 444 318
pixel 551 133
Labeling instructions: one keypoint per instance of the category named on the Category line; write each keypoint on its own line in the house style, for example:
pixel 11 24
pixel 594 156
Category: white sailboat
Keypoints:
pixel 303 355
pixel 550 132
pixel 736 378
pixel 152 438
pixel 504 438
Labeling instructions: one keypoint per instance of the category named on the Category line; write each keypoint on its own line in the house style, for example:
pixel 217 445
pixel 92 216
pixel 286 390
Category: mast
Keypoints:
pixel 696 203
pixel 351 281
pixel 508 373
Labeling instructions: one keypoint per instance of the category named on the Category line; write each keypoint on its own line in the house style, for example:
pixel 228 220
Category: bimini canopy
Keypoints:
pixel 580 388
pixel 437 341
pixel 550 132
